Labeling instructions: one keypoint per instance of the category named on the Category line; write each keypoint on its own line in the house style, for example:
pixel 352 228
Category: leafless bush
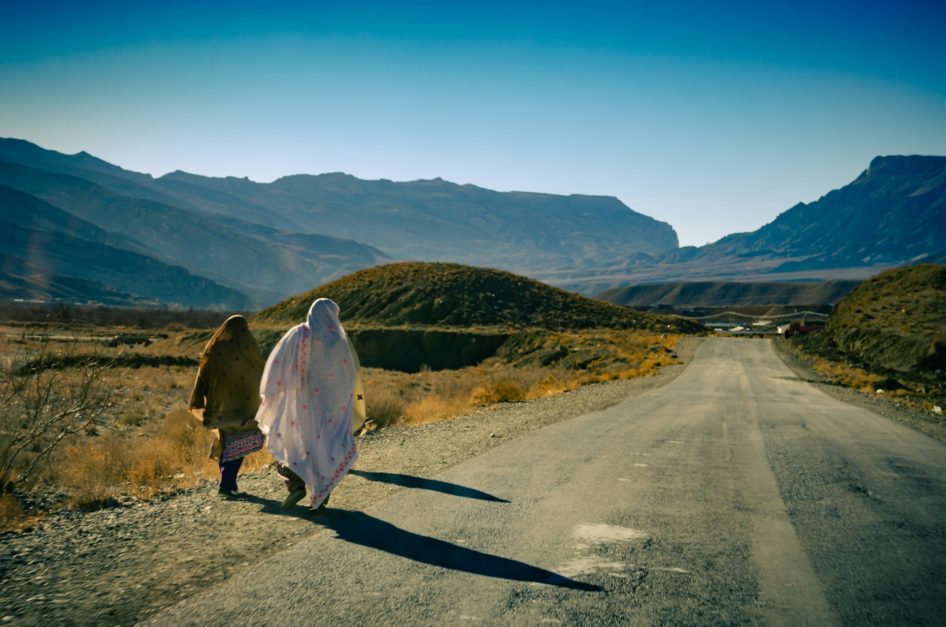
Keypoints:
pixel 385 409
pixel 39 410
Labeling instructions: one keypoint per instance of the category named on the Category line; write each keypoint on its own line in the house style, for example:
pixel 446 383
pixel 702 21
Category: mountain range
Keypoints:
pixel 75 227
pixel 893 214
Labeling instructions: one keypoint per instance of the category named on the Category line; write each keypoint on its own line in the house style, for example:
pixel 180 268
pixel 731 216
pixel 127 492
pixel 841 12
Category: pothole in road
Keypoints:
pixel 596 548
pixel 590 564
pixel 593 534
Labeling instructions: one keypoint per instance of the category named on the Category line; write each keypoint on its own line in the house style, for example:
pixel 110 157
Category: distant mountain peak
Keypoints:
pixel 27 153
pixel 904 164
pixel 893 213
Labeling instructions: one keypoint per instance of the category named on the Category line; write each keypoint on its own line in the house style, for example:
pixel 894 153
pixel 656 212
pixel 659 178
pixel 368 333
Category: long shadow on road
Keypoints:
pixel 366 530
pixel 361 528
pixel 410 481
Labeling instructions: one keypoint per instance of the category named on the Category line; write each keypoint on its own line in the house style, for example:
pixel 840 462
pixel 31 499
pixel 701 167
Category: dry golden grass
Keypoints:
pixel 859 379
pixel 173 457
pixel 845 375
pixel 433 408
pixel 504 390
pixel 837 371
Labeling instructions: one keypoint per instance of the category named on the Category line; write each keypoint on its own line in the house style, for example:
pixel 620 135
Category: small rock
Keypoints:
pixel 494 435
pixel 937 410
pixel 879 391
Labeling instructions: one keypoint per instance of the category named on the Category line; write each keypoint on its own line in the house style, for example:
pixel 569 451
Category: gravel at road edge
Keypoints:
pixel 889 408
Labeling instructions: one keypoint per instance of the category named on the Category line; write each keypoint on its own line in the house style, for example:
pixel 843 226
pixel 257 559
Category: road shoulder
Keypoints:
pixel 888 408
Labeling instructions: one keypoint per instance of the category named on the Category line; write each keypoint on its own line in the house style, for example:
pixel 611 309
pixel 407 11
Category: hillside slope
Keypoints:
pixel 893 212
pixel 896 320
pixel 453 295
pixel 111 269
pixel 22 281
pixel 726 294
pixel 263 262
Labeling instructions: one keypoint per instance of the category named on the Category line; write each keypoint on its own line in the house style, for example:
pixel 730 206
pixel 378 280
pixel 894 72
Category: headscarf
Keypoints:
pixel 225 393
pixel 306 410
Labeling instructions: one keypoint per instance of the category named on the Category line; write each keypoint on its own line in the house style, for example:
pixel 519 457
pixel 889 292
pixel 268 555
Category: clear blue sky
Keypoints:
pixel 712 116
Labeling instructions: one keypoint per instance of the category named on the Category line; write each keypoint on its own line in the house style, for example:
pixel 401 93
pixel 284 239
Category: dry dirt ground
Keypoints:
pixel 122 564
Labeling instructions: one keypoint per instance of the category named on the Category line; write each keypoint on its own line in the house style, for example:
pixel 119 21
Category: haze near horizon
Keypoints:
pixel 711 118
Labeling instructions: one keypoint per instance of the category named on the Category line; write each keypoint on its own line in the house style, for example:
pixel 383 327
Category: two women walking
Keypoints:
pixel 303 401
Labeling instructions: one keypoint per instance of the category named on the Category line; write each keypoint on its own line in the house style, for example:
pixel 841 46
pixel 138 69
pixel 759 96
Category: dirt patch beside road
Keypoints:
pixel 923 421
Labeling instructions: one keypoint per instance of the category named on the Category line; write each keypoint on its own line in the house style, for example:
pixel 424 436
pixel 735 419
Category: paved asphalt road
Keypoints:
pixel 735 494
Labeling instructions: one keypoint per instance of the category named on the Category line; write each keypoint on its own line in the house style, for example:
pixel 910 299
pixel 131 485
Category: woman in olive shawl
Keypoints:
pixel 226 397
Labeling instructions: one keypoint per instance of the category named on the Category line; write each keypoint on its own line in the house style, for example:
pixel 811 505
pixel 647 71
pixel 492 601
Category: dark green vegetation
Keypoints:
pixel 896 320
pixel 405 316
pixel 893 213
pixel 888 336
pixel 453 295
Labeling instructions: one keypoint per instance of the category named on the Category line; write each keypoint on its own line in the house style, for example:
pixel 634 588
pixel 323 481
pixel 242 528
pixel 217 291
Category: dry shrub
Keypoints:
pixel 172 458
pixel 9 507
pixel 12 516
pixel 552 383
pixel 850 376
pixel 432 409
pixel 175 457
pixel 384 408
pixel 649 365
pixel 40 409
pixel 92 470
pixel 504 390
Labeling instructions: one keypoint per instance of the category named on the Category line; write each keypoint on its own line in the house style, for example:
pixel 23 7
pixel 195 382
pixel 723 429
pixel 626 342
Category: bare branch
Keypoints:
pixel 40 409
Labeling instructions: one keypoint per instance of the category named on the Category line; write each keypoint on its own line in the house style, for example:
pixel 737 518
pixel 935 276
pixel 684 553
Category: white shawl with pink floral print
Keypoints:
pixel 306 410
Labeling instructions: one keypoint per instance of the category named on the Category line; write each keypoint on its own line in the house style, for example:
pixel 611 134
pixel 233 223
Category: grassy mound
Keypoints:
pixel 895 321
pixel 453 295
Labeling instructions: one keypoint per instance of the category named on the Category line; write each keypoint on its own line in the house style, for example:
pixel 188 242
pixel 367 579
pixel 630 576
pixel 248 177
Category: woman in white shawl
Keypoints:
pixel 306 409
